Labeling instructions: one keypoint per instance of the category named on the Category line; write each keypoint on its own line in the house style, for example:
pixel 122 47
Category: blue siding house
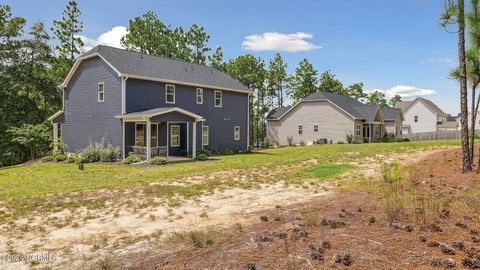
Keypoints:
pixel 150 105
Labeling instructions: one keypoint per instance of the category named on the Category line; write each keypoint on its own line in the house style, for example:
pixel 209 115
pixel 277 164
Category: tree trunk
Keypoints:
pixel 466 166
pixel 472 126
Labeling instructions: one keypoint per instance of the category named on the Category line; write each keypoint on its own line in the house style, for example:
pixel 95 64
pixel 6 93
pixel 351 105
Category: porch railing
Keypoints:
pixel 155 151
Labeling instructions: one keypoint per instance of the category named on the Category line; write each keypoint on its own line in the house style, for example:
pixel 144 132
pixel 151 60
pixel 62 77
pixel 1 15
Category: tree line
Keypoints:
pixel 34 61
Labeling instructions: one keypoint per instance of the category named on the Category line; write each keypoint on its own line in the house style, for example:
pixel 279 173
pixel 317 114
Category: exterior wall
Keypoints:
pixel 358 137
pixel 144 95
pixel 427 120
pixel 477 124
pixel 394 127
pixel 333 124
pixel 85 119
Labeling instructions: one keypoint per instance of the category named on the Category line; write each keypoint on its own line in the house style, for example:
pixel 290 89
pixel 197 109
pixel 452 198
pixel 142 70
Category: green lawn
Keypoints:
pixel 52 178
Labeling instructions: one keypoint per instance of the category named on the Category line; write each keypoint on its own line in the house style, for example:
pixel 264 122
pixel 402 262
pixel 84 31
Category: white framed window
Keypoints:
pixel 315 128
pixel 199 96
pixel 101 92
pixel 358 130
pixel 236 133
pixel 174 135
pixel 300 129
pixel 415 118
pixel 170 93
pixel 218 98
pixel 205 135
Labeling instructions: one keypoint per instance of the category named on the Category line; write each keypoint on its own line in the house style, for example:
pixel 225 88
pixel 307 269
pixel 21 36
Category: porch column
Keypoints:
pixel 194 139
pixel 55 136
pixel 149 139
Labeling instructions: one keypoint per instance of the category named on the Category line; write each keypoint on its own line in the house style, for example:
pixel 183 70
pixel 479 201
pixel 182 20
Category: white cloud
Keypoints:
pixel 437 60
pixel 109 38
pixel 405 91
pixel 274 41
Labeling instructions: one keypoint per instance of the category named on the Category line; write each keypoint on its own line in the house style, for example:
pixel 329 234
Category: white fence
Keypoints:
pixel 436 135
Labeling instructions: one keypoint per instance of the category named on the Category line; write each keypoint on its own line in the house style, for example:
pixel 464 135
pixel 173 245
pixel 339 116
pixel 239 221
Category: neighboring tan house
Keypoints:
pixel 452 123
pixel 325 116
pixel 150 105
pixel 421 115
pixel 393 120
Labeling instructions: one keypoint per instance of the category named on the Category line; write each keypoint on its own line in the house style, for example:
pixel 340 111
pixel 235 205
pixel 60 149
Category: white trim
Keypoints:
pixel 77 64
pixel 235 133
pixel 55 115
pixel 196 95
pixel 186 83
pixel 124 94
pixel 171 128
pixel 103 92
pixel 208 135
pixel 194 142
pixel 173 109
pixel 188 137
pixel 166 94
pixel 313 100
pixel 149 139
pixel 55 136
pixel 215 98
pixel 123 139
pixel 201 132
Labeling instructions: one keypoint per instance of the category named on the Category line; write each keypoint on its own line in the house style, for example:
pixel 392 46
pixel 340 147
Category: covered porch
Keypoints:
pixel 164 132
pixel 373 131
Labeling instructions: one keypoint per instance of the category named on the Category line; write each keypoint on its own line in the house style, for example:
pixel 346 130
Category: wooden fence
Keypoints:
pixel 436 135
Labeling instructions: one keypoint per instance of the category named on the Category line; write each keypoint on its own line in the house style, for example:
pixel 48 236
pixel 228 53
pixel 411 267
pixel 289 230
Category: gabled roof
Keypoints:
pixel 349 105
pixel 277 112
pixel 405 105
pixel 149 67
pixel 158 111
pixel 392 114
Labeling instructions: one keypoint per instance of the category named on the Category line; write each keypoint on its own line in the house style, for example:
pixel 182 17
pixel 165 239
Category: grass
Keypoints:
pixel 53 178
pixel 324 171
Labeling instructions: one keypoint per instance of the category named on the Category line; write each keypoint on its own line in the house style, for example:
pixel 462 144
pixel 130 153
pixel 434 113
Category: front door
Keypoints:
pixel 177 139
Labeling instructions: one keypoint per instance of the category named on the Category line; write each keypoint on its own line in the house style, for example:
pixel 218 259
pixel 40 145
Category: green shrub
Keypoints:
pixel 183 153
pixel 158 161
pixel 109 153
pixel 206 152
pixel 290 141
pixel 302 143
pixel 227 151
pixel 1 164
pixel 388 137
pixel 71 159
pixel 349 137
pixel 91 153
pixel 131 159
pixel 248 151
pixel 61 157
pixel 201 157
pixel 47 158
pixel 340 142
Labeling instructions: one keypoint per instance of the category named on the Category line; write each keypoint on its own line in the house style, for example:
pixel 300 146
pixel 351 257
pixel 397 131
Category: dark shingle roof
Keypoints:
pixel 277 112
pixel 350 105
pixel 138 64
pixel 391 114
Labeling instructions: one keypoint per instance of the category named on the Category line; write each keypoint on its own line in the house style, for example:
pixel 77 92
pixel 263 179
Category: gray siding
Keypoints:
pixel 85 119
pixel 144 95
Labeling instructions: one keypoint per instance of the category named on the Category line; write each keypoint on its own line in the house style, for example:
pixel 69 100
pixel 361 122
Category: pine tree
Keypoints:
pixel 276 78
pixel 303 82
pixel 216 59
pixel 67 30
pixel 198 39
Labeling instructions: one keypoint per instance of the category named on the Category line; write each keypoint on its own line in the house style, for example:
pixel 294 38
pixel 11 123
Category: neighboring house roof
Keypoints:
pixel 452 117
pixel 392 114
pixel 158 111
pixel 150 67
pixel 349 105
pixel 405 105
pixel 277 112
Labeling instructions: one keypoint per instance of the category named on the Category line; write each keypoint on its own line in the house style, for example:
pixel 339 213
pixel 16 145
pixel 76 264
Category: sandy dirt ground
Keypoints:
pixel 121 230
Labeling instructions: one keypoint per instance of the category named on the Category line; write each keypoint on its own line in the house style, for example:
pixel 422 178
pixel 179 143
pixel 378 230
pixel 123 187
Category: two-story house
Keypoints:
pixel 142 102
pixel 421 115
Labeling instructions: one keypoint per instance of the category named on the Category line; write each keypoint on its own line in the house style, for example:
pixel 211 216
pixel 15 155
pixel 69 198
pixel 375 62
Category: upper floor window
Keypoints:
pixel 415 118
pixel 315 128
pixel 300 129
pixel 101 92
pixel 199 96
pixel 218 98
pixel 236 133
pixel 170 93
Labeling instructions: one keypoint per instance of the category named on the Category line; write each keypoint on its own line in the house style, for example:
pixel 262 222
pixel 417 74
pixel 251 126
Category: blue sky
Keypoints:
pixel 383 43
